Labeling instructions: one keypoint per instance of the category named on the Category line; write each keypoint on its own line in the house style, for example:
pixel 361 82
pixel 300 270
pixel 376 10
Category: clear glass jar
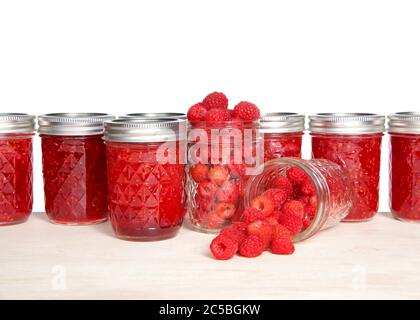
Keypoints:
pixel 16 132
pixel 74 167
pixel 146 177
pixel 221 158
pixel 283 133
pixel 331 185
pixel 404 166
pixel 353 141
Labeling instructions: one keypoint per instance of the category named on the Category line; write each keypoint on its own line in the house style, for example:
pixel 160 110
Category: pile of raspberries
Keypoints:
pixel 285 209
pixel 214 108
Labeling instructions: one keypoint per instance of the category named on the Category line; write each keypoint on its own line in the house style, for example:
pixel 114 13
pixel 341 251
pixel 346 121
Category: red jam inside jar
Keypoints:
pixel 359 154
pixel 146 178
pixel 74 168
pixel 282 135
pixel 405 166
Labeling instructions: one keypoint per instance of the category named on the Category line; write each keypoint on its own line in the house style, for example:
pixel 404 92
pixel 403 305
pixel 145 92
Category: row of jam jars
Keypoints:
pixel 282 135
pixel 16 132
pixel 333 194
pixel 221 157
pixel 404 187
pixel 146 177
pixel 74 167
pixel 354 142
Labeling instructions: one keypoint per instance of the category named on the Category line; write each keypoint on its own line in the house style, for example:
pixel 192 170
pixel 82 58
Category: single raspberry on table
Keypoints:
pixel 296 175
pixel 207 189
pixel 199 172
pixel 197 112
pixel 282 246
pixel 247 111
pixel 251 214
pixel 278 197
pixel 225 210
pixel 218 175
pixel 262 229
pixel 223 247
pixel 264 204
pixel 216 100
pixel 217 115
pixel 283 183
pixel 280 231
pixel 251 247
pixel 228 192
pixel 234 233
pixel 294 207
pixel 240 225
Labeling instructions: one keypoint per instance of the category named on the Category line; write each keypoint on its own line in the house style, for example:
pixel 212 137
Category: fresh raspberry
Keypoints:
pixel 294 207
pixel 217 115
pixel 232 115
pixel 234 233
pixel 223 248
pixel 282 246
pixel 197 112
pixel 206 189
pixel 306 223
pixel 277 196
pixel 281 182
pixel 272 221
pixel 264 204
pixel 218 175
pixel 199 172
pixel 214 221
pixel 225 210
pixel 247 111
pixel 240 225
pixel 296 175
pixel 262 229
pixel 292 222
pixel 236 171
pixel 251 247
pixel 280 231
pixel 215 100
pixel 228 192
pixel 251 214
pixel 307 187
pixel 311 206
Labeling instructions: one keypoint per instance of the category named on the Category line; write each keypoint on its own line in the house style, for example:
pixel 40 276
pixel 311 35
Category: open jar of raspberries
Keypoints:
pixel 283 133
pixel 223 149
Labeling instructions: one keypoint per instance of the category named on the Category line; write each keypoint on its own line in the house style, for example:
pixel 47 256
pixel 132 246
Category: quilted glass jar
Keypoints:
pixel 282 135
pixel 16 132
pixel 353 141
pixel 74 167
pixel 146 177
pixel 404 166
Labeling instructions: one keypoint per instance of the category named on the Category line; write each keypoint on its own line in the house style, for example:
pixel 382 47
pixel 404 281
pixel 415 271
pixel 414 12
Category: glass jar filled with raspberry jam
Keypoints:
pixel 16 132
pixel 318 186
pixel 404 130
pixel 146 177
pixel 151 115
pixel 221 158
pixel 74 167
pixel 282 135
pixel 352 140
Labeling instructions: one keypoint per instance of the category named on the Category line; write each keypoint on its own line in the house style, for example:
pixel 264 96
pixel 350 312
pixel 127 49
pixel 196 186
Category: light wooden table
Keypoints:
pixel 377 259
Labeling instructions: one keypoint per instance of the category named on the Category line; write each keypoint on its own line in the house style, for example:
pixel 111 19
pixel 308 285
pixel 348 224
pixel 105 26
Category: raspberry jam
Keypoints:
pixel 282 135
pixel 221 157
pixel 16 131
pixel 404 129
pixel 74 168
pixel 324 206
pixel 146 177
pixel 354 142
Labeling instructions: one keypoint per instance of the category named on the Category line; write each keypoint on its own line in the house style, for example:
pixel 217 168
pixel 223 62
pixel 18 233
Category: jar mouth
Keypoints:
pixel 17 123
pixel 145 130
pixel 148 115
pixel 404 122
pixel 347 123
pixel 72 124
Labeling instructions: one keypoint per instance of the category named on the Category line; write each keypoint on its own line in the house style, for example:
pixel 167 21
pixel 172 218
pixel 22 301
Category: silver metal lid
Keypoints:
pixel 404 122
pixel 73 124
pixel 347 123
pixel 145 130
pixel 155 115
pixel 282 122
pixel 17 123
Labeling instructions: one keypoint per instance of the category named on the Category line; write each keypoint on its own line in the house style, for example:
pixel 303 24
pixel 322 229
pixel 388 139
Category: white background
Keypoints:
pixel 138 56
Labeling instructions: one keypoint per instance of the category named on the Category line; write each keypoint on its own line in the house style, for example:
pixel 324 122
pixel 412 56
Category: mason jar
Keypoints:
pixel 74 167
pixel 352 140
pixel 151 115
pixel 16 133
pixel 146 177
pixel 333 195
pixel 283 133
pixel 404 165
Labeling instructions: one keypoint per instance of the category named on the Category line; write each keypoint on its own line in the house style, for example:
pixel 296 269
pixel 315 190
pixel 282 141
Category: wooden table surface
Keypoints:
pixel 377 259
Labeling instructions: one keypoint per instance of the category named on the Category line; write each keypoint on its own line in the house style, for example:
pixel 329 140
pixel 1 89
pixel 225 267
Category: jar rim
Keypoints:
pixel 14 122
pixel 148 115
pixel 404 122
pixel 347 123
pixel 282 122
